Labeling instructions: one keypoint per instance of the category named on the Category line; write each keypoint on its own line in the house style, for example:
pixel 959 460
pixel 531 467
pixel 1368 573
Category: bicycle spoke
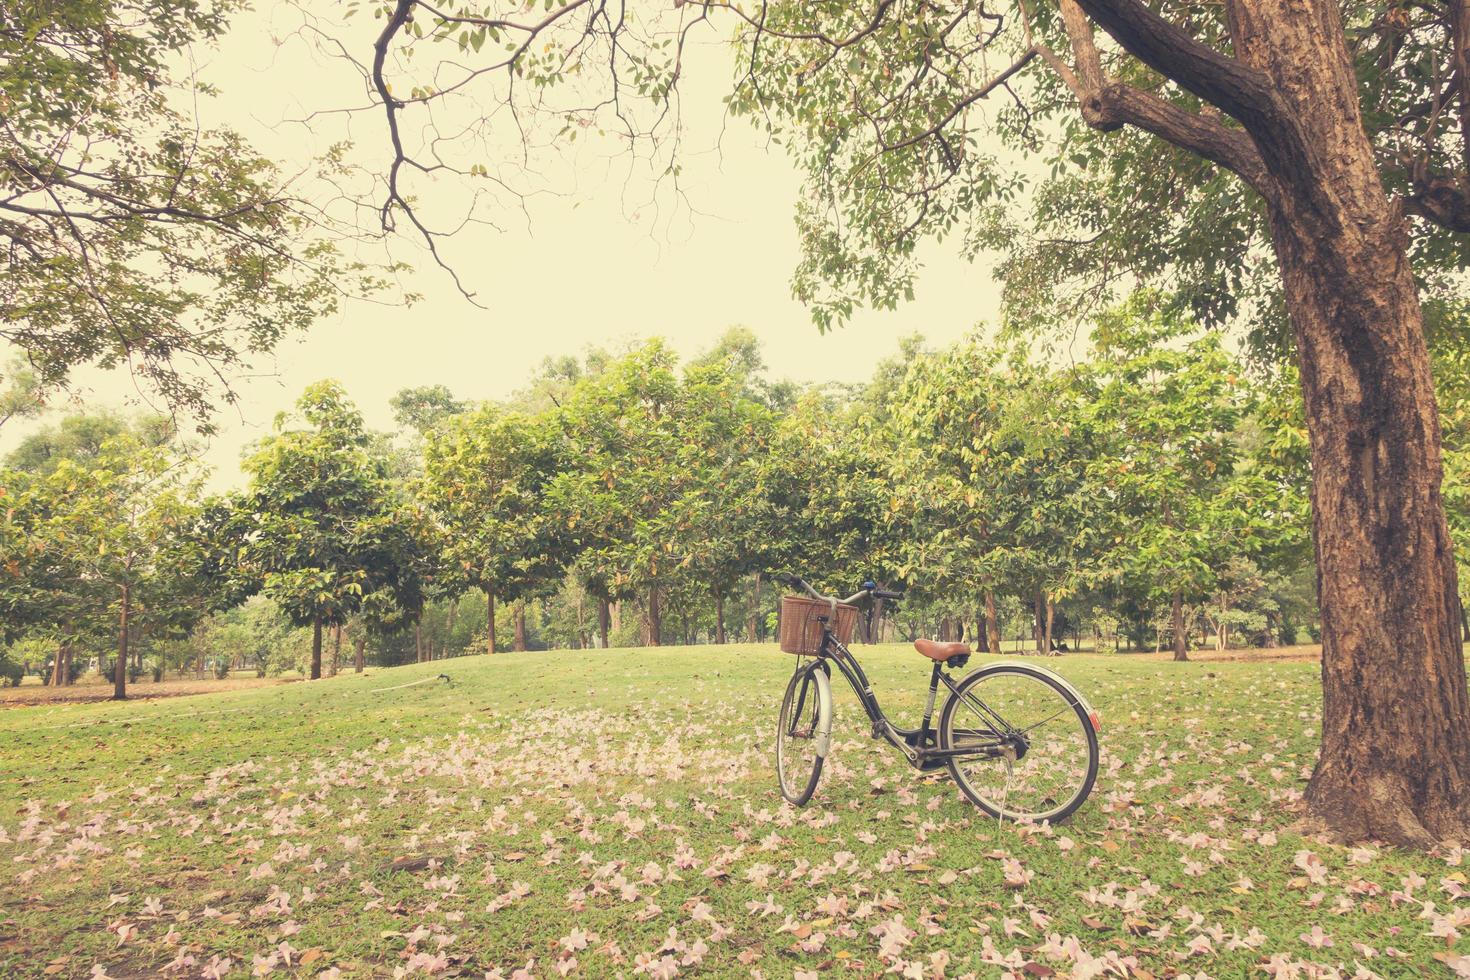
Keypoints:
pixel 1064 710
pixel 969 701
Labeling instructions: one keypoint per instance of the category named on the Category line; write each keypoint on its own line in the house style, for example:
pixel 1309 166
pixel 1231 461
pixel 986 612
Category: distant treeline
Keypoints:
pixel 1150 494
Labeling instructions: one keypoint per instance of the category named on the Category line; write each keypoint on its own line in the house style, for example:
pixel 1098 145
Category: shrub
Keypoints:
pixel 10 673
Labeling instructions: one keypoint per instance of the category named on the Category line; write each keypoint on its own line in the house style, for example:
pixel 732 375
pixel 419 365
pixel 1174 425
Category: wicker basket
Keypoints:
pixel 801 630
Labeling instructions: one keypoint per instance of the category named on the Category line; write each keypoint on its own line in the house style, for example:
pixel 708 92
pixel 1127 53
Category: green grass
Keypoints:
pixel 625 800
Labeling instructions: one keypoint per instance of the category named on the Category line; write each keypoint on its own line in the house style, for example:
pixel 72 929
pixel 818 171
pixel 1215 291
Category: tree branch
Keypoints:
pixel 1238 89
pixel 1439 199
pixel 1459 17
pixel 1108 105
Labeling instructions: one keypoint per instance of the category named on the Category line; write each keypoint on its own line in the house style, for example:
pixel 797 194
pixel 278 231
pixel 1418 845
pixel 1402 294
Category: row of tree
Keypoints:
pixel 1155 486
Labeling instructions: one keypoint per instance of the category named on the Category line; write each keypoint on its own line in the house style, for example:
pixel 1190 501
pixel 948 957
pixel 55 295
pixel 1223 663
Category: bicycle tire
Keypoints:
pixel 1085 733
pixel 809 697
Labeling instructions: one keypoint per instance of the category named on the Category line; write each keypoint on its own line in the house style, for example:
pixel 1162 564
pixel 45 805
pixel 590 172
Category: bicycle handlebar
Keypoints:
pixel 868 589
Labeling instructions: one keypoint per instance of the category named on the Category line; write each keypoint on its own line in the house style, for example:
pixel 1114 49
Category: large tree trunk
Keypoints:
pixel 519 617
pixel 358 660
pixel 58 675
pixel 1176 619
pixel 1395 759
pixel 316 648
pixel 490 620
pixel 120 669
pixel 1391 657
pixel 655 619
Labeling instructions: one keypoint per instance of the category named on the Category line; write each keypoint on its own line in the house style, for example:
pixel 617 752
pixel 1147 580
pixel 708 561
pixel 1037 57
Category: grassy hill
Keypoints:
pixel 599 813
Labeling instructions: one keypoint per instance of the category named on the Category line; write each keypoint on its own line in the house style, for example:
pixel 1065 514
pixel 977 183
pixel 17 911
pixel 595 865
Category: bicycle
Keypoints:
pixel 996 731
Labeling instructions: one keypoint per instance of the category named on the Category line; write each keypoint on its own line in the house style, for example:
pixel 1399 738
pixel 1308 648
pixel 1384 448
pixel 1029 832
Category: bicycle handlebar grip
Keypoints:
pixel 885 594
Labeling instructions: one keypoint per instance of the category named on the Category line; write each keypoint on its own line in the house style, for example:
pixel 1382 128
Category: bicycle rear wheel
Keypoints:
pixel 804 733
pixel 1031 749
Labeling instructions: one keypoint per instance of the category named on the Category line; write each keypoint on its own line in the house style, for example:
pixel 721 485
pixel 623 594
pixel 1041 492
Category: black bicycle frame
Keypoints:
pixel 917 744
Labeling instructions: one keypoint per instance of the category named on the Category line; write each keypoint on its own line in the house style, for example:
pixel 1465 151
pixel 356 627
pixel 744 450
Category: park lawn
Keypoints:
pixel 603 813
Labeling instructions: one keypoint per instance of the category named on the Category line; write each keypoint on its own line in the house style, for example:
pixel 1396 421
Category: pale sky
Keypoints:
pixel 592 267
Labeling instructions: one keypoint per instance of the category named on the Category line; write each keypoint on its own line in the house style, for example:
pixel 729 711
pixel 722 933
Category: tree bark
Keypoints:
pixel 752 622
pixel 490 620
pixel 720 619
pixel 655 619
pixel 358 660
pixel 1037 631
pixel 604 617
pixel 1222 629
pixel 875 620
pixel 336 648
pixel 1176 618
pixel 992 622
pixel 1051 613
pixel 57 676
pixel 418 641
pixel 120 669
pixel 1391 663
pixel 519 616
pixel 316 648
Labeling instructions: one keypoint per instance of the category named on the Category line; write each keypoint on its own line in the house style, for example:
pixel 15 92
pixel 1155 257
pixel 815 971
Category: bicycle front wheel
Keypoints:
pixel 1025 746
pixel 804 733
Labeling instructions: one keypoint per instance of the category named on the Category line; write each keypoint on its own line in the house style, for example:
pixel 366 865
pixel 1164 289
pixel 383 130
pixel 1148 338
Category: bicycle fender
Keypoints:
pixel 824 710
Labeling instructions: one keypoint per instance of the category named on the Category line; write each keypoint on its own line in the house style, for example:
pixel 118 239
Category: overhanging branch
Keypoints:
pixel 1107 105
